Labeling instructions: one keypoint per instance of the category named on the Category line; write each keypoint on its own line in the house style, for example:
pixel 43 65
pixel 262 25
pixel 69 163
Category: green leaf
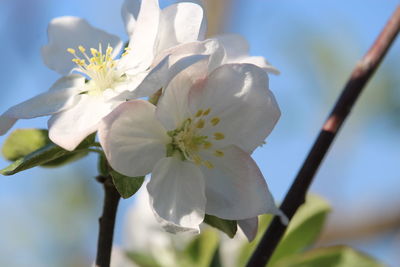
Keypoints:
pixel 337 256
pixel 248 248
pixel 32 148
pixel 126 186
pixel 227 226
pixel 22 142
pixel 201 251
pixel 303 229
pixel 142 259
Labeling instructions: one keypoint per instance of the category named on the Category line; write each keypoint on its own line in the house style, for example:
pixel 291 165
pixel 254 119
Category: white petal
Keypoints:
pixel 68 128
pixel 237 51
pixel 73 80
pixel 62 95
pixel 130 10
pixel 70 32
pixel 249 227
pixel 235 46
pixel 143 38
pixel 235 187
pixel 177 196
pixel 162 74
pixel 235 93
pixel 259 62
pixel 172 108
pixel 133 139
pixel 179 23
pixel 210 47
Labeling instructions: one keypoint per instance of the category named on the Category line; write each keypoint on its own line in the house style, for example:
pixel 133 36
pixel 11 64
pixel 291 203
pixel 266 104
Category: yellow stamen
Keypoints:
pixel 218 153
pixel 208 164
pixel 71 51
pixel 82 49
pixel 207 145
pixel 206 112
pixel 199 112
pixel 215 121
pixel 219 136
pixel 200 124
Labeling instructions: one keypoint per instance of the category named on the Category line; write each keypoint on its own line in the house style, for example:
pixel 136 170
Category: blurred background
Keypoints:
pixel 49 216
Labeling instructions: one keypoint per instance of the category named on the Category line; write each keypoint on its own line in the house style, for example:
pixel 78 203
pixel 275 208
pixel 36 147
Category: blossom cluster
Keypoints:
pixel 215 108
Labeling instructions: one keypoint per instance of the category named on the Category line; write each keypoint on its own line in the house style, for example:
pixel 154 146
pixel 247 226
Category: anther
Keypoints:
pixel 219 136
pixel 218 153
pixel 215 121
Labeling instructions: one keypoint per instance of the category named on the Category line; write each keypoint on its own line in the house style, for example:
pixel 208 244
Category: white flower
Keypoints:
pixel 197 145
pixel 74 45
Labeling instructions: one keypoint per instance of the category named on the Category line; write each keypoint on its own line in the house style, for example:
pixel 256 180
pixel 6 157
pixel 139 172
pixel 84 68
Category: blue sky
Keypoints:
pixel 359 176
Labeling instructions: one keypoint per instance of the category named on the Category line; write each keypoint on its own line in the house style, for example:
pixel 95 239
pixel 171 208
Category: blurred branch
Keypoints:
pixel 107 222
pixel 363 227
pixel 217 12
pixel 296 195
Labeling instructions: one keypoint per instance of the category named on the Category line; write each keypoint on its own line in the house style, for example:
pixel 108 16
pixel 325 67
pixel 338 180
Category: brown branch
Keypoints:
pixel 296 195
pixel 107 222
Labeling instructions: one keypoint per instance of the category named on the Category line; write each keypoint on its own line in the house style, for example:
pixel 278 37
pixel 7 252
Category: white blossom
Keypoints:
pixel 82 52
pixel 197 144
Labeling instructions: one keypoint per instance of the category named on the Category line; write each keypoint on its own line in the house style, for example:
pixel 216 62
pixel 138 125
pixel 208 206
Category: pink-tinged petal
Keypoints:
pixel 162 74
pixel 62 95
pixel 249 227
pixel 143 39
pixel 133 139
pixel 130 11
pixel 176 190
pixel 210 48
pixel 69 127
pixel 235 187
pixel 179 23
pixel 237 51
pixel 234 93
pixel 259 62
pixel 235 46
pixel 70 32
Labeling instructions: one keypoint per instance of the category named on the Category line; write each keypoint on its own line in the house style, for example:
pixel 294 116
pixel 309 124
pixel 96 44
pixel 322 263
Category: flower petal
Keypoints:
pixel 235 187
pixel 68 128
pixel 133 139
pixel 177 196
pixel 162 74
pixel 130 11
pixel 249 227
pixel 143 39
pixel 62 95
pixel 237 51
pixel 179 23
pixel 70 32
pixel 235 93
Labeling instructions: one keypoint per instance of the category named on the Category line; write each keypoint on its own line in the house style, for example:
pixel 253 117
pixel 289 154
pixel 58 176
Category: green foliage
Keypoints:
pixel 125 185
pixel 29 148
pixel 248 248
pixel 22 142
pixel 142 259
pixel 338 256
pixel 229 227
pixel 302 231
pixel 202 251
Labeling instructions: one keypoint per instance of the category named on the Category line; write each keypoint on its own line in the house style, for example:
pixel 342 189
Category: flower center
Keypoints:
pixel 188 142
pixel 101 68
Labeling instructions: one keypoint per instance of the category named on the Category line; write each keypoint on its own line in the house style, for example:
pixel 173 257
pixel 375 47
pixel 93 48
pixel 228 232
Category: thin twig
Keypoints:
pixel 296 195
pixel 107 222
